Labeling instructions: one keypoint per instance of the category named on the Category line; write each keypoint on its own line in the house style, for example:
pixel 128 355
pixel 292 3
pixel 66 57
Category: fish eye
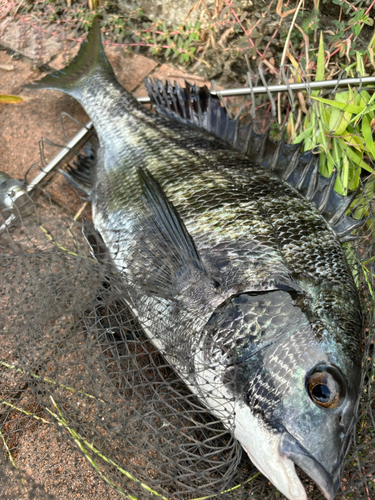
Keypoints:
pixel 326 387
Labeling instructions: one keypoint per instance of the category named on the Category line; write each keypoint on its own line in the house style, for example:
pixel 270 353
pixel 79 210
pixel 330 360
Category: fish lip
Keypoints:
pixel 329 484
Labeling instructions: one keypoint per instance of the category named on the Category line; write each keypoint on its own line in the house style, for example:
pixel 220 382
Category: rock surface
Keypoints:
pixel 171 11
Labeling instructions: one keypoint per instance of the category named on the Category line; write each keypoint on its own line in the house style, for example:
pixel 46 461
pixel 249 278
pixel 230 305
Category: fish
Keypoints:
pixel 229 248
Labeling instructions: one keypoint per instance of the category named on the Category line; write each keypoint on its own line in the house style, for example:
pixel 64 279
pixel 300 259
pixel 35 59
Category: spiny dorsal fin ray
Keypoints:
pixel 346 226
pixel 323 189
pixel 338 205
pixel 195 106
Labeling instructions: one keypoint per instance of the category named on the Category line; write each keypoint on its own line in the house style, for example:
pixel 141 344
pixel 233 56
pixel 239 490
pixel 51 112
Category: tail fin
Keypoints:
pixel 90 58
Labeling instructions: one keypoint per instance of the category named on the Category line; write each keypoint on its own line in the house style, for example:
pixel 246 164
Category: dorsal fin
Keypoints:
pixel 195 106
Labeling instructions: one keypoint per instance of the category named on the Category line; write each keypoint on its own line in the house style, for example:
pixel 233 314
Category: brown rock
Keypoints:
pixel 39 47
pixel 168 72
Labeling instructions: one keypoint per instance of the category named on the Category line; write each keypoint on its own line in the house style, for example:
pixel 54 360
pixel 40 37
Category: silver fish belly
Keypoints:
pixel 236 278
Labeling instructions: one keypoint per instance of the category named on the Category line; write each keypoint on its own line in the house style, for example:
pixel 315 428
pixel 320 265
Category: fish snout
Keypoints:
pixel 328 482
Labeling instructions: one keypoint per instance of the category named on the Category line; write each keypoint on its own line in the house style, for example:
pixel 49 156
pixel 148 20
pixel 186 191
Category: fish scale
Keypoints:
pixel 227 258
pixel 201 195
pixel 201 212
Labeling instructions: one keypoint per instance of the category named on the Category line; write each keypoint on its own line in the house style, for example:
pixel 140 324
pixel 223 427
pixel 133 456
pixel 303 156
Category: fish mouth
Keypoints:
pixel 329 484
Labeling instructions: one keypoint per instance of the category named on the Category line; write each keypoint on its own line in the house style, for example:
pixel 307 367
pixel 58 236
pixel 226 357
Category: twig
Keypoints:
pixel 28 413
pixel 8 450
pixel 196 6
pixel 83 445
pixel 284 55
pixel 49 381
pixel 187 76
pixel 6 67
pixel 272 38
pixel 289 34
pixel 351 5
pixel 284 14
pixel 224 36
pixel 347 41
pixel 244 29
pixel 201 60
pixel 307 46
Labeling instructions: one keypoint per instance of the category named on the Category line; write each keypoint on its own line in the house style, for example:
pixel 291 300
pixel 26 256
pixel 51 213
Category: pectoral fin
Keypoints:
pixel 168 257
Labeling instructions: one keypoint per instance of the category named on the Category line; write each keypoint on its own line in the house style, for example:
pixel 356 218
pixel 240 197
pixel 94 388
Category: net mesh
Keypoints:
pixel 89 407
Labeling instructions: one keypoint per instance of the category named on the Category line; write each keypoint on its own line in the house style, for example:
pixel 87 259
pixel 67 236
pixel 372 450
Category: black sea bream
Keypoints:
pixel 238 279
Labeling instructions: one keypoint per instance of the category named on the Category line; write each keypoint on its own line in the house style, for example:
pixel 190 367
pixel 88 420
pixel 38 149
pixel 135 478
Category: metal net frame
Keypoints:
pixel 82 382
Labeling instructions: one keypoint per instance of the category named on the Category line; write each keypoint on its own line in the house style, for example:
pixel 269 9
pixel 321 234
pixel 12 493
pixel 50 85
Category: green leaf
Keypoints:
pixel 339 119
pixel 350 108
pixel 340 159
pixel 362 97
pixel 354 177
pixel 346 97
pixel 354 140
pixel 304 135
pixel 325 117
pixel 338 187
pixel 353 156
pixel 360 13
pixel 320 64
pixel 371 108
pixel 372 99
pixel 360 65
pixel 367 135
pixel 10 99
pixel 345 175
pixel 356 29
